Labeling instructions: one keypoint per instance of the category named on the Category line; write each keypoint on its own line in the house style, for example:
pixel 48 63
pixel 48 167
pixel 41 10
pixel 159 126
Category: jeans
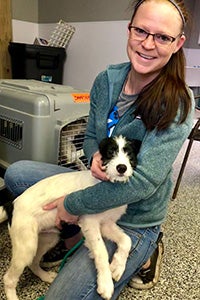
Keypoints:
pixel 77 279
pixel 22 174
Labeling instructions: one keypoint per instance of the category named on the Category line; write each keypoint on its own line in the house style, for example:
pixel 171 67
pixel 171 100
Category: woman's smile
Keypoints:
pixel 145 56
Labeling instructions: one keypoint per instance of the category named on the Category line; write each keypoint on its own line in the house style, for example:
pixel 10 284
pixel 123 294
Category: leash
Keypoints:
pixel 70 252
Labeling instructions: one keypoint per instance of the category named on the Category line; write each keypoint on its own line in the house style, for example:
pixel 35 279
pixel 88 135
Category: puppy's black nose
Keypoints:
pixel 121 168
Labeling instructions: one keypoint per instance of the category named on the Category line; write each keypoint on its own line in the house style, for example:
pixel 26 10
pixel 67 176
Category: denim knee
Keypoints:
pixel 23 174
pixel 12 177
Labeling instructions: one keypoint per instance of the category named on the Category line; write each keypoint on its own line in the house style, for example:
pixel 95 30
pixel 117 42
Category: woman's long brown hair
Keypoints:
pixel 159 101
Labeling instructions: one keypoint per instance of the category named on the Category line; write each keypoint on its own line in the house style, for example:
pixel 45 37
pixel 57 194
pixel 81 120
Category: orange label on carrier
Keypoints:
pixel 81 97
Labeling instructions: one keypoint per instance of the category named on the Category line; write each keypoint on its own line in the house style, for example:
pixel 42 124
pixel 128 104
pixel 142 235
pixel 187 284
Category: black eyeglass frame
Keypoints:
pixel 154 34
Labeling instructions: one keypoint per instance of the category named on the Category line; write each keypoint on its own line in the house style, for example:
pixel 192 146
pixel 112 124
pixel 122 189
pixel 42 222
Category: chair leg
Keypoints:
pixel 182 169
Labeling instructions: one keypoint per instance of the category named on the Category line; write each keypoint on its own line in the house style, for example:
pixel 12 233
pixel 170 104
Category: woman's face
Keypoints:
pixel 148 56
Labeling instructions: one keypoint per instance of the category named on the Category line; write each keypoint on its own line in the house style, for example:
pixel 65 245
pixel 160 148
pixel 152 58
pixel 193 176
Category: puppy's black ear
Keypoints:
pixel 103 143
pixel 103 146
pixel 132 148
pixel 136 144
pixel 107 148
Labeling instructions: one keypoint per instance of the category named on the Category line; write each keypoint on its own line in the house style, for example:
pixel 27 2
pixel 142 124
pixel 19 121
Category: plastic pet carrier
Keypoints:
pixel 43 122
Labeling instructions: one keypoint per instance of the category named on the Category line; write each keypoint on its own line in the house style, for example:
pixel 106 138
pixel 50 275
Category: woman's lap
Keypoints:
pixel 23 174
pixel 77 279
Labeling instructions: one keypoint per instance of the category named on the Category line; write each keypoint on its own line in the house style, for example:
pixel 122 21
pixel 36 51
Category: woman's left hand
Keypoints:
pixel 62 213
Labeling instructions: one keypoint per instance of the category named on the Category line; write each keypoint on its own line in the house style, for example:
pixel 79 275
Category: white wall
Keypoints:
pixel 193 57
pixel 193 67
pixel 93 46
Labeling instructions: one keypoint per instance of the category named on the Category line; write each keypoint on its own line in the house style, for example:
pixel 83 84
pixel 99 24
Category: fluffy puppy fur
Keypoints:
pixel 33 230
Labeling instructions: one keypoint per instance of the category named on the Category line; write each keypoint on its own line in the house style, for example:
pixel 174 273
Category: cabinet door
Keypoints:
pixel 5 38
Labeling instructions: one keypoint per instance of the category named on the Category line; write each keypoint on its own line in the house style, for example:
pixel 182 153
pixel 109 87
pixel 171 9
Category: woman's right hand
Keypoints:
pixel 97 170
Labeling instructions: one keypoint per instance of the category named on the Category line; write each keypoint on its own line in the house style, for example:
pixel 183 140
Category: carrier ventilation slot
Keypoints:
pixel 71 145
pixel 11 131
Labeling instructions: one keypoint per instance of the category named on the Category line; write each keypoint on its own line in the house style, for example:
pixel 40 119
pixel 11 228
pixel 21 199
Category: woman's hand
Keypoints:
pixel 62 213
pixel 97 170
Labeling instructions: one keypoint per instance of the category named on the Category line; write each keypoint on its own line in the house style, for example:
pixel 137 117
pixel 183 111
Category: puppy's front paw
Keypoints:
pixel 105 287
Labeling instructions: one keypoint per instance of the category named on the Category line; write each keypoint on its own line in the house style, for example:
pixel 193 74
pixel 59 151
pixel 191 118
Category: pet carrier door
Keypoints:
pixel 71 145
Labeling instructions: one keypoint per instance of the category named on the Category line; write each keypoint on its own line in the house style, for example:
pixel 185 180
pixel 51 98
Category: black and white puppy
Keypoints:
pixel 33 230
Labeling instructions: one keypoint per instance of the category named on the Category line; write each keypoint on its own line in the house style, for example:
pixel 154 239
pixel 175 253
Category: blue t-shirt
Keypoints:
pixel 113 119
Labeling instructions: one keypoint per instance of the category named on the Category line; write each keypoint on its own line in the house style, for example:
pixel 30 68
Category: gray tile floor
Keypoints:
pixel 180 276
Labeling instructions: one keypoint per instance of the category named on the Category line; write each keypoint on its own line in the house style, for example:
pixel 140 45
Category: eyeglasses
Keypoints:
pixel 160 39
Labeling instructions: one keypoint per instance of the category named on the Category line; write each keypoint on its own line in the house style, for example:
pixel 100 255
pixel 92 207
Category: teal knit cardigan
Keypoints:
pixel 149 189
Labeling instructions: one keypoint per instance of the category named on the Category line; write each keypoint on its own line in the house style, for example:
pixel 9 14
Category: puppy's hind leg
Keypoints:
pixel 24 246
pixel 46 241
pixel 113 232
pixel 98 251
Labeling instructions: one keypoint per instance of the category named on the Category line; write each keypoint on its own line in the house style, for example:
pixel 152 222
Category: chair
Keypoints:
pixel 194 136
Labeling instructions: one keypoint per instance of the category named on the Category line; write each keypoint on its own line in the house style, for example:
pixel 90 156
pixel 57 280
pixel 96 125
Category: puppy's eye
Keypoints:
pixel 127 149
pixel 111 151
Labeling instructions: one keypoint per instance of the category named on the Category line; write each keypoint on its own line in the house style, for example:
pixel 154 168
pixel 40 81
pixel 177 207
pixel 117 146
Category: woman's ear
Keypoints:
pixel 128 30
pixel 180 43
